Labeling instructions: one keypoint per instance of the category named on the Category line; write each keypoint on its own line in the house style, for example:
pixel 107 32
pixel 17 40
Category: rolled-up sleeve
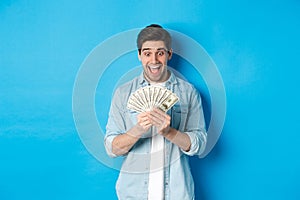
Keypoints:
pixel 195 126
pixel 198 143
pixel 115 124
pixel 108 145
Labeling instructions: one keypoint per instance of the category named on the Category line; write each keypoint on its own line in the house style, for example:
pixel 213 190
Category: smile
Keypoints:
pixel 154 69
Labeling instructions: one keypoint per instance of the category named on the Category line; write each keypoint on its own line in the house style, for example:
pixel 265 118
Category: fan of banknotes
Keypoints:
pixel 149 97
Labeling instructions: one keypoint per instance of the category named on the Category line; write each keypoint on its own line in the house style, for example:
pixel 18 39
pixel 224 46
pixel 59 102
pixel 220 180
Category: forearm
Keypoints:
pixel 182 140
pixel 124 142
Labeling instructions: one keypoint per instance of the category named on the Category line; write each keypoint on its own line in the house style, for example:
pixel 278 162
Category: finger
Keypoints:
pixel 143 117
pixel 147 126
pixel 145 123
pixel 156 112
pixel 159 117
pixel 155 119
pixel 159 112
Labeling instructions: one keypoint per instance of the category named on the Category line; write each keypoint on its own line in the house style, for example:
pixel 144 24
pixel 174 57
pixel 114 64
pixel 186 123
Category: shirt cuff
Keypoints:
pixel 194 144
pixel 108 145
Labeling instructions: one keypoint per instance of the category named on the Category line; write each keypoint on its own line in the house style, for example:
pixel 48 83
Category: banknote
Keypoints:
pixel 168 103
pixel 150 97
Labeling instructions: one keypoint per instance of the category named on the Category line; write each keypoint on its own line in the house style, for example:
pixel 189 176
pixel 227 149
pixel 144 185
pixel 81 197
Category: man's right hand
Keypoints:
pixel 123 143
pixel 142 126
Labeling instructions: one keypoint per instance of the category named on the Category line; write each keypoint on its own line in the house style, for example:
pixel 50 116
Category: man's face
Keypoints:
pixel 154 57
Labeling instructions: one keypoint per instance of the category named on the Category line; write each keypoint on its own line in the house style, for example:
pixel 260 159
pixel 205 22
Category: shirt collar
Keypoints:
pixel 171 80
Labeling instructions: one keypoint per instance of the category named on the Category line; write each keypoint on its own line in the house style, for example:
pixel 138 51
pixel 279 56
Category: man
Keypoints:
pixel 156 145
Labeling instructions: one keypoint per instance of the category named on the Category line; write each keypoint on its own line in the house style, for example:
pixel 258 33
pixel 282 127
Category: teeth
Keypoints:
pixel 154 66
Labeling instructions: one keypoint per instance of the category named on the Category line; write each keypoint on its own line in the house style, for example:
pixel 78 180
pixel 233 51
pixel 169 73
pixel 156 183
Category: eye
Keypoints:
pixel 160 53
pixel 147 53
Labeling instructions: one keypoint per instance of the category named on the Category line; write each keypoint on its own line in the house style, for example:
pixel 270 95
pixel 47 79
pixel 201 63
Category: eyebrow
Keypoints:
pixel 161 48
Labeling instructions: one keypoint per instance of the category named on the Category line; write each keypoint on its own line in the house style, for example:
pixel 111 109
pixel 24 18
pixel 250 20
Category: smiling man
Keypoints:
pixel 156 145
pixel 154 57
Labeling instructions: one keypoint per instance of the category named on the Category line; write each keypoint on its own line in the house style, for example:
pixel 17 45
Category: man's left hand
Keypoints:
pixel 160 120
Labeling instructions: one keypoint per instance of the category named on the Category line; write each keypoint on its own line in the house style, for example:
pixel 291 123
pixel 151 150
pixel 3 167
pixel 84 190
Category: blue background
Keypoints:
pixel 255 45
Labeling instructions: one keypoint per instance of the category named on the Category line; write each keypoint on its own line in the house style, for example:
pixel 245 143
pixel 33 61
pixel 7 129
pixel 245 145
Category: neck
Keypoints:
pixel 164 79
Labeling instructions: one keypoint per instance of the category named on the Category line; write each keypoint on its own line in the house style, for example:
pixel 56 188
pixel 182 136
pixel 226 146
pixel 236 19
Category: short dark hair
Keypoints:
pixel 154 32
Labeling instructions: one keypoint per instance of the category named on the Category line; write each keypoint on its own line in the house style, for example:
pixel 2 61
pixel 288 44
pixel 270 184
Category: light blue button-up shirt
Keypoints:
pixel 186 116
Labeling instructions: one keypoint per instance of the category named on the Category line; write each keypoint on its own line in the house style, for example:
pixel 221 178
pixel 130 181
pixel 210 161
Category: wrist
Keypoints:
pixel 170 134
pixel 136 131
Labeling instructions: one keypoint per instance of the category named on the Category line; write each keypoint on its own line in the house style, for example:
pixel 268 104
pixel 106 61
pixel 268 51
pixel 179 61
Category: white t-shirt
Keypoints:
pixel 156 175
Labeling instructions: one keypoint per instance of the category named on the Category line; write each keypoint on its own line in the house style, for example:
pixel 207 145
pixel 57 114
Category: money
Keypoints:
pixel 150 97
pixel 168 103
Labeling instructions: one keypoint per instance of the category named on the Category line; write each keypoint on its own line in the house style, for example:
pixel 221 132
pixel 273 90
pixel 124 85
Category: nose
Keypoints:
pixel 154 58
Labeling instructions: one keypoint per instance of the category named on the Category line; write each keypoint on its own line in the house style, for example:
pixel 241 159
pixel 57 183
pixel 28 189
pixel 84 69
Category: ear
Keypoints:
pixel 170 52
pixel 139 56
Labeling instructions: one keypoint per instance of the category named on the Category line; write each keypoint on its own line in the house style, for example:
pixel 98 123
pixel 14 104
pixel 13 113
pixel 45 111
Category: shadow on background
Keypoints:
pixel 201 171
pixel 192 76
pixel 200 167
